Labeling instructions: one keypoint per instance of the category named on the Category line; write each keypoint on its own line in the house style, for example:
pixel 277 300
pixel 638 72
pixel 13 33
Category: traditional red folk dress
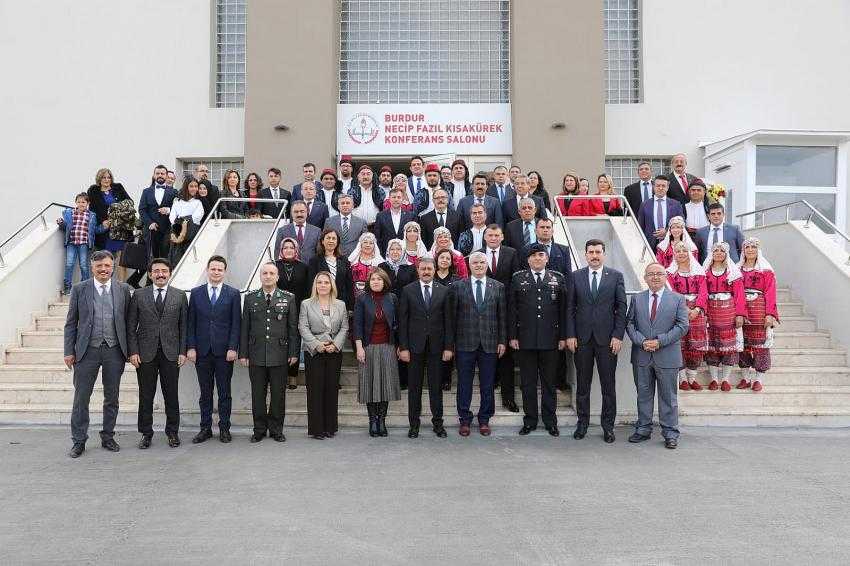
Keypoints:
pixel 692 286
pixel 664 254
pixel 726 300
pixel 760 291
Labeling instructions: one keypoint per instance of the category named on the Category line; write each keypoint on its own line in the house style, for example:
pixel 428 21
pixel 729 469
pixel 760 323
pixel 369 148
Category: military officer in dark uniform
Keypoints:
pixel 537 311
pixel 269 343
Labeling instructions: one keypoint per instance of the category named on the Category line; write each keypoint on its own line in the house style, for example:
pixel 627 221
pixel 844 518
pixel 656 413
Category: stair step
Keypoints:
pixel 808 357
pixel 793 376
pixel 816 339
pixel 798 324
pixel 773 395
pixel 57 309
pixel 790 309
pixel 783 295
pixel 50 322
pixel 42 339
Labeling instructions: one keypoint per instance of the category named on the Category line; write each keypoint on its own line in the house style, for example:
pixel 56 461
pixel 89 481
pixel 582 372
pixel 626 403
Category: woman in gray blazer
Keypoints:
pixel 323 324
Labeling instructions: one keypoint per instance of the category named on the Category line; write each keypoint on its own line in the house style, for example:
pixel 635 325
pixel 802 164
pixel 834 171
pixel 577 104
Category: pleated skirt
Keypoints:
pixel 378 377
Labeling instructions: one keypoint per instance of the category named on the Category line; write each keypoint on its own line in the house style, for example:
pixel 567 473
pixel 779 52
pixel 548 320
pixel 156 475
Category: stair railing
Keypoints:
pixel 41 215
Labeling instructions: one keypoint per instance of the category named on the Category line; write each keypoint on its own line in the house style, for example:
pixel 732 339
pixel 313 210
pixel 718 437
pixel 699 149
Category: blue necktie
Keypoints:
pixel 418 183
pixel 214 297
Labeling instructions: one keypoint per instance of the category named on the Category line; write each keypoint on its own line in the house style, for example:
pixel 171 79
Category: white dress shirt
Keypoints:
pixel 422 288
pixel 417 180
pixel 346 185
pixel 98 285
pixel 367 209
pixel 696 217
pixel 477 237
pixel 159 193
pixel 210 287
pixel 590 272
pixel 659 202
pixel 483 280
pixel 396 218
pixel 458 192
pixel 156 291
pixel 657 305
pixel 329 193
pixel 490 253
pixel 711 240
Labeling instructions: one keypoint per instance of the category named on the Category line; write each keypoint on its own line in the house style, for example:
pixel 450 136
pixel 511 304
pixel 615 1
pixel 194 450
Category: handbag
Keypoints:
pixel 135 255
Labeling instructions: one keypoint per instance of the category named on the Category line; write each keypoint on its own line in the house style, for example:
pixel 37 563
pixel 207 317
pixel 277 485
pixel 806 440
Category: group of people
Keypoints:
pixel 423 274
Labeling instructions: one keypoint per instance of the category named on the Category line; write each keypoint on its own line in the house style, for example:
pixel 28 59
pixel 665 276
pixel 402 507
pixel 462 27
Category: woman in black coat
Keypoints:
pixel 103 193
pixel 328 259
pixel 293 276
pixel 400 271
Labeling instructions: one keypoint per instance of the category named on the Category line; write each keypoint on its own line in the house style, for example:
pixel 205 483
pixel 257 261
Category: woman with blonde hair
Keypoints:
pixel 230 189
pixel 103 195
pixel 603 206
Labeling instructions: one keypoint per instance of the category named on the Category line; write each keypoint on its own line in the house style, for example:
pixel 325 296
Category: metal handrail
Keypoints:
pixel 213 216
pixel 787 206
pixel 38 215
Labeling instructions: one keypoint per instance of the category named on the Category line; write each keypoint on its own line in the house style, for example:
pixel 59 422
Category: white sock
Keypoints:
pixel 714 372
pixel 759 377
pixel 692 374
pixel 726 371
pixel 749 373
pixel 682 376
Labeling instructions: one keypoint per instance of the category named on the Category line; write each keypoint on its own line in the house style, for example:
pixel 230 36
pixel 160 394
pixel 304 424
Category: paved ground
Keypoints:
pixel 725 496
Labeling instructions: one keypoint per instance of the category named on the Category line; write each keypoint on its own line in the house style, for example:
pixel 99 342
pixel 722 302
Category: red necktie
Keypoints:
pixel 684 183
pixel 654 308
pixel 300 236
pixel 493 263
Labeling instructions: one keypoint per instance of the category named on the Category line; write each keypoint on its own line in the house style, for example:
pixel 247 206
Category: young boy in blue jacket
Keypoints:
pixel 80 226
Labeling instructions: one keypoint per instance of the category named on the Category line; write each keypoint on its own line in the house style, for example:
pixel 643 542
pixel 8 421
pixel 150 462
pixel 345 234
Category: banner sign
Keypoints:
pixel 413 129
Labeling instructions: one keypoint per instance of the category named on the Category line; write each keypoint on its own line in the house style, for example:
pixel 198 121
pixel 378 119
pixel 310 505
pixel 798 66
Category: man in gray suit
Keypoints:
pixel 95 339
pixel 656 321
pixel 156 335
pixel 348 226
pixel 305 234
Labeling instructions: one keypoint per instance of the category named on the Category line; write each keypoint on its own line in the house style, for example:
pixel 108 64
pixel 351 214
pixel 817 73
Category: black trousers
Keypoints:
pixel 542 363
pixel 322 374
pixel 505 375
pixel 606 363
pixel 168 373
pixel 432 362
pixel 268 417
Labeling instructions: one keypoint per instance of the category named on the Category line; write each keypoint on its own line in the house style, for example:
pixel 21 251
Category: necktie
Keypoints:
pixel 427 296
pixel 300 236
pixel 479 294
pixel 159 301
pixel 526 234
pixel 214 297
pixel 684 183
pixel 309 208
pixel 275 194
pixel 594 286
pixel 501 193
pixel 102 290
pixel 493 261
pixel 654 308
pixel 659 214
pixel 714 235
pixel 539 279
pixel 418 183
pixel 441 222
pixel 645 190
pixel 345 229
pixel 479 200
pixel 268 299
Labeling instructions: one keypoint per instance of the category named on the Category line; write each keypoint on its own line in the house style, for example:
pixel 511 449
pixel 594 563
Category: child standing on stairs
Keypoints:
pixel 80 225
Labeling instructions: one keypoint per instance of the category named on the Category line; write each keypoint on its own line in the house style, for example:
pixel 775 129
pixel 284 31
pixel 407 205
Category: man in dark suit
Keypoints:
pixel 305 234
pixel 510 208
pixel 423 200
pixel 558 254
pixel 154 207
pixel 595 329
pixel 479 196
pixel 389 223
pixel 308 173
pixel 641 191
pixel 537 311
pixel 215 314
pixel 655 214
pixel 425 327
pixel 156 335
pixel 679 179
pixel 501 188
pixel 480 314
pixel 521 231
pixel 718 231
pixel 442 215
pixel 472 238
pixel 317 211
pixel 275 191
pixel 96 339
pixel 502 262
pixel 348 226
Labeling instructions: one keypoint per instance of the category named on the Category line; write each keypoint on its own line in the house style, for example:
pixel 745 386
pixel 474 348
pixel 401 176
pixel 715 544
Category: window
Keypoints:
pixel 622 51
pixel 796 166
pixel 217 168
pixel 624 169
pixel 230 20
pixel 424 51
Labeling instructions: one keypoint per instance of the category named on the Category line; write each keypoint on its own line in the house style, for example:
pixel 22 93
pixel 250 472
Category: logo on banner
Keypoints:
pixel 362 128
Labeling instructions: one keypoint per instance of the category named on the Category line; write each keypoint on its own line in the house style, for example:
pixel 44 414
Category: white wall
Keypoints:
pixel 100 83
pixel 717 68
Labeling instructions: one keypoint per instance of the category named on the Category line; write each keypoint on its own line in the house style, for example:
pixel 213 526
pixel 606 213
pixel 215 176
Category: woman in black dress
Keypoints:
pixel 328 259
pixel 445 275
pixel 401 272
pixel 293 277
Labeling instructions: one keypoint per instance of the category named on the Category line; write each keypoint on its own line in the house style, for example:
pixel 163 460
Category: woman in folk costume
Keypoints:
pixel 414 247
pixel 677 232
pixel 687 277
pixel 726 311
pixel 762 314
pixel 443 241
pixel 364 257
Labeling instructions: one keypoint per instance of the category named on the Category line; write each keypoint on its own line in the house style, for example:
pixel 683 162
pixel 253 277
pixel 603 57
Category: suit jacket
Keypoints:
pixel 147 330
pixel 732 235
pixel 598 319
pixel 507 263
pixel 385 230
pixel 485 328
pixel 421 327
pixel 356 227
pixel 510 210
pixel 634 195
pixel 559 260
pixel 646 217
pixel 319 213
pixel 214 329
pixel 273 209
pixel 675 190
pixel 491 205
pixel 344 284
pixel 494 192
pixel 364 317
pixel 314 331
pixel 80 319
pixel 148 208
pixel 670 324
pixel 311 239
pixel 399 280
pixel 98 205
pixel 428 222
pixel 514 234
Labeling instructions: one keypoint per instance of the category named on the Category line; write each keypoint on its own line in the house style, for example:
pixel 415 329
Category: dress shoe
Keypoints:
pixel 484 429
pixel 608 436
pixel 510 405
pixel 403 387
pixel 757 386
pixel 413 432
pixel 145 442
pixel 327 435
pixel 318 436
pixel 447 386
pixel 173 440
pixel 684 385
pixel 77 449
pixel 635 438
pixel 695 386
pixel 224 436
pixel 553 431
pixel 580 431
pixel 110 445
pixel 713 385
pixel 256 438
pixel 292 386
pixel 725 387
pixel 440 431
pixel 464 430
pixel 526 430
pixel 670 443
pixel 743 384
pixel 278 437
pixel 202 436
